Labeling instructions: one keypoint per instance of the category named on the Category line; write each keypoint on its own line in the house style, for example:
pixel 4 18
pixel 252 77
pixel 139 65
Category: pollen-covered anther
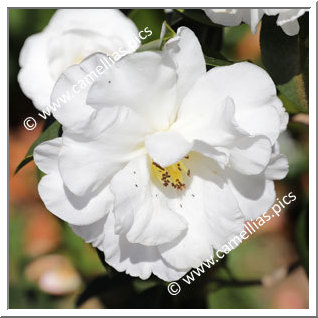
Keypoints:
pixel 173 175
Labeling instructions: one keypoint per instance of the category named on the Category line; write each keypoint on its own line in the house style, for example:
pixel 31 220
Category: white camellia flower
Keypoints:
pixel 287 18
pixel 160 162
pixel 71 35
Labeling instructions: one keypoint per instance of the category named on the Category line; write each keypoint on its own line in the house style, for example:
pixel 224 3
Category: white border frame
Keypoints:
pixel 312 161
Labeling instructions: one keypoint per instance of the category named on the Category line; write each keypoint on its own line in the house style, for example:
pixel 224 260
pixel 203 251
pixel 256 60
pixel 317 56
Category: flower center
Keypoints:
pixel 173 175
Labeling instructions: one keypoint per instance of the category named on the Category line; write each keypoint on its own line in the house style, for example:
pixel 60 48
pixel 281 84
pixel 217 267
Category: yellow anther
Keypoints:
pixel 173 175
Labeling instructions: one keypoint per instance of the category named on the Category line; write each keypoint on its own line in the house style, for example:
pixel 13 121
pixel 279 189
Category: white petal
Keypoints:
pixel 251 155
pixel 188 56
pixel 92 233
pixel 166 272
pixel 71 208
pixel 227 17
pixel 291 28
pixel 34 77
pixel 267 120
pixel 57 198
pixel 89 161
pixel 216 127
pixel 277 168
pixel 252 17
pixel 188 251
pixel 233 17
pixel 198 119
pixel 257 109
pixel 286 16
pixel 135 259
pixel 255 194
pixel 211 211
pixel 70 92
pixel 115 28
pixel 46 155
pixel 71 35
pixel 220 206
pixel 145 82
pixel 221 157
pixel 252 91
pixel 167 147
pixel 287 19
pixel 139 213
pixel 283 115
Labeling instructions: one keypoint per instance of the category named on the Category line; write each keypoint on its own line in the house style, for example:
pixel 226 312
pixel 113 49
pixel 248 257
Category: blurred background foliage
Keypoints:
pixel 50 267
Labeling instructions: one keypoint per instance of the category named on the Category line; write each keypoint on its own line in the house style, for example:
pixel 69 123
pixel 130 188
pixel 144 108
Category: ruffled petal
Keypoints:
pixel 211 211
pixel 187 54
pixel 117 31
pixel 89 161
pixel 135 259
pixel 34 77
pixel 254 194
pixel 46 155
pixel 71 35
pixel 92 233
pixel 144 82
pixel 277 168
pixel 140 211
pixel 216 127
pixel 257 108
pixel 71 208
pixel 250 155
pixel 70 93
pixel 167 147
pixel 213 124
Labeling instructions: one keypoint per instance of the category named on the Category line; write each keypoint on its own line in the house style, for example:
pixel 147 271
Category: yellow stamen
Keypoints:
pixel 173 175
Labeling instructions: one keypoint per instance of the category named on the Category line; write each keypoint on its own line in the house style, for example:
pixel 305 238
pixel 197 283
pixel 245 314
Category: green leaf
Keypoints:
pixel 156 45
pixel 49 133
pixel 288 105
pixel 294 95
pixel 24 22
pixel 150 46
pixel 211 61
pixel 168 33
pixel 151 18
pixel 39 174
pixel 280 52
